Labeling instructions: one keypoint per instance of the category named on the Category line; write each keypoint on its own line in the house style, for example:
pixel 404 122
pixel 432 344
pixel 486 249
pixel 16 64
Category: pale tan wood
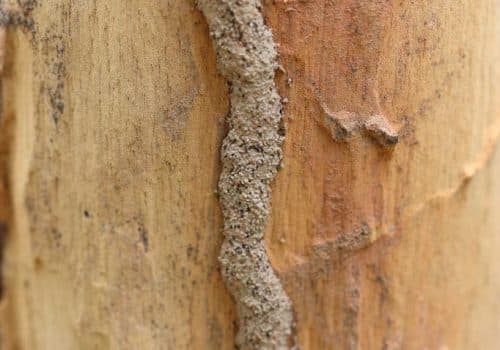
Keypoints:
pixel 117 224
pixel 118 119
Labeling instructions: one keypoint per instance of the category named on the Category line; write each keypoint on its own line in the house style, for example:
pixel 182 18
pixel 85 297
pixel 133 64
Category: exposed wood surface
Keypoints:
pixel 385 228
pixel 431 278
pixel 117 226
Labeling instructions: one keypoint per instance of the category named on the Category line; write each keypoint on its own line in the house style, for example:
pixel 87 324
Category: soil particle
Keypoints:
pixel 344 125
pixel 17 13
pixel 251 156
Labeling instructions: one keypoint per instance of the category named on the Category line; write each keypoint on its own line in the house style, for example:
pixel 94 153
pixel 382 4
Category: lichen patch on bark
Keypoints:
pixel 251 156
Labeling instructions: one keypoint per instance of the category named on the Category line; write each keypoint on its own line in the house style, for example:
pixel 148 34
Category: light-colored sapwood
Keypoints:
pixel 115 112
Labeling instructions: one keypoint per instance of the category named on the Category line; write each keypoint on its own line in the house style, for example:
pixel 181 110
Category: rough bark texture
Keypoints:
pixel 384 229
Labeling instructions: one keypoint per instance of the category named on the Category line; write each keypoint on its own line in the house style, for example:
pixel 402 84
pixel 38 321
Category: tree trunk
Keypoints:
pixel 384 228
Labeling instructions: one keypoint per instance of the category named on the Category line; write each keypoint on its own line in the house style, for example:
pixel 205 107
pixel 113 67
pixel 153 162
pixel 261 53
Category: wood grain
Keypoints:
pixel 431 277
pixel 118 111
pixel 117 220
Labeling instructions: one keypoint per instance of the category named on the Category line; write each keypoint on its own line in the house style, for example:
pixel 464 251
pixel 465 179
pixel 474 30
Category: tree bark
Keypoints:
pixel 384 226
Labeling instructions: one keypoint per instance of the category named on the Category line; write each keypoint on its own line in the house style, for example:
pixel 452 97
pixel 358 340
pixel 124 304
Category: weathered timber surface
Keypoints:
pixel 420 217
pixel 384 228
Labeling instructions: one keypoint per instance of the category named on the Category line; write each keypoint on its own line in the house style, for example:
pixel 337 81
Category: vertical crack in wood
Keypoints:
pixel 251 156
pixel 13 14
pixel 6 124
pixel 4 159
